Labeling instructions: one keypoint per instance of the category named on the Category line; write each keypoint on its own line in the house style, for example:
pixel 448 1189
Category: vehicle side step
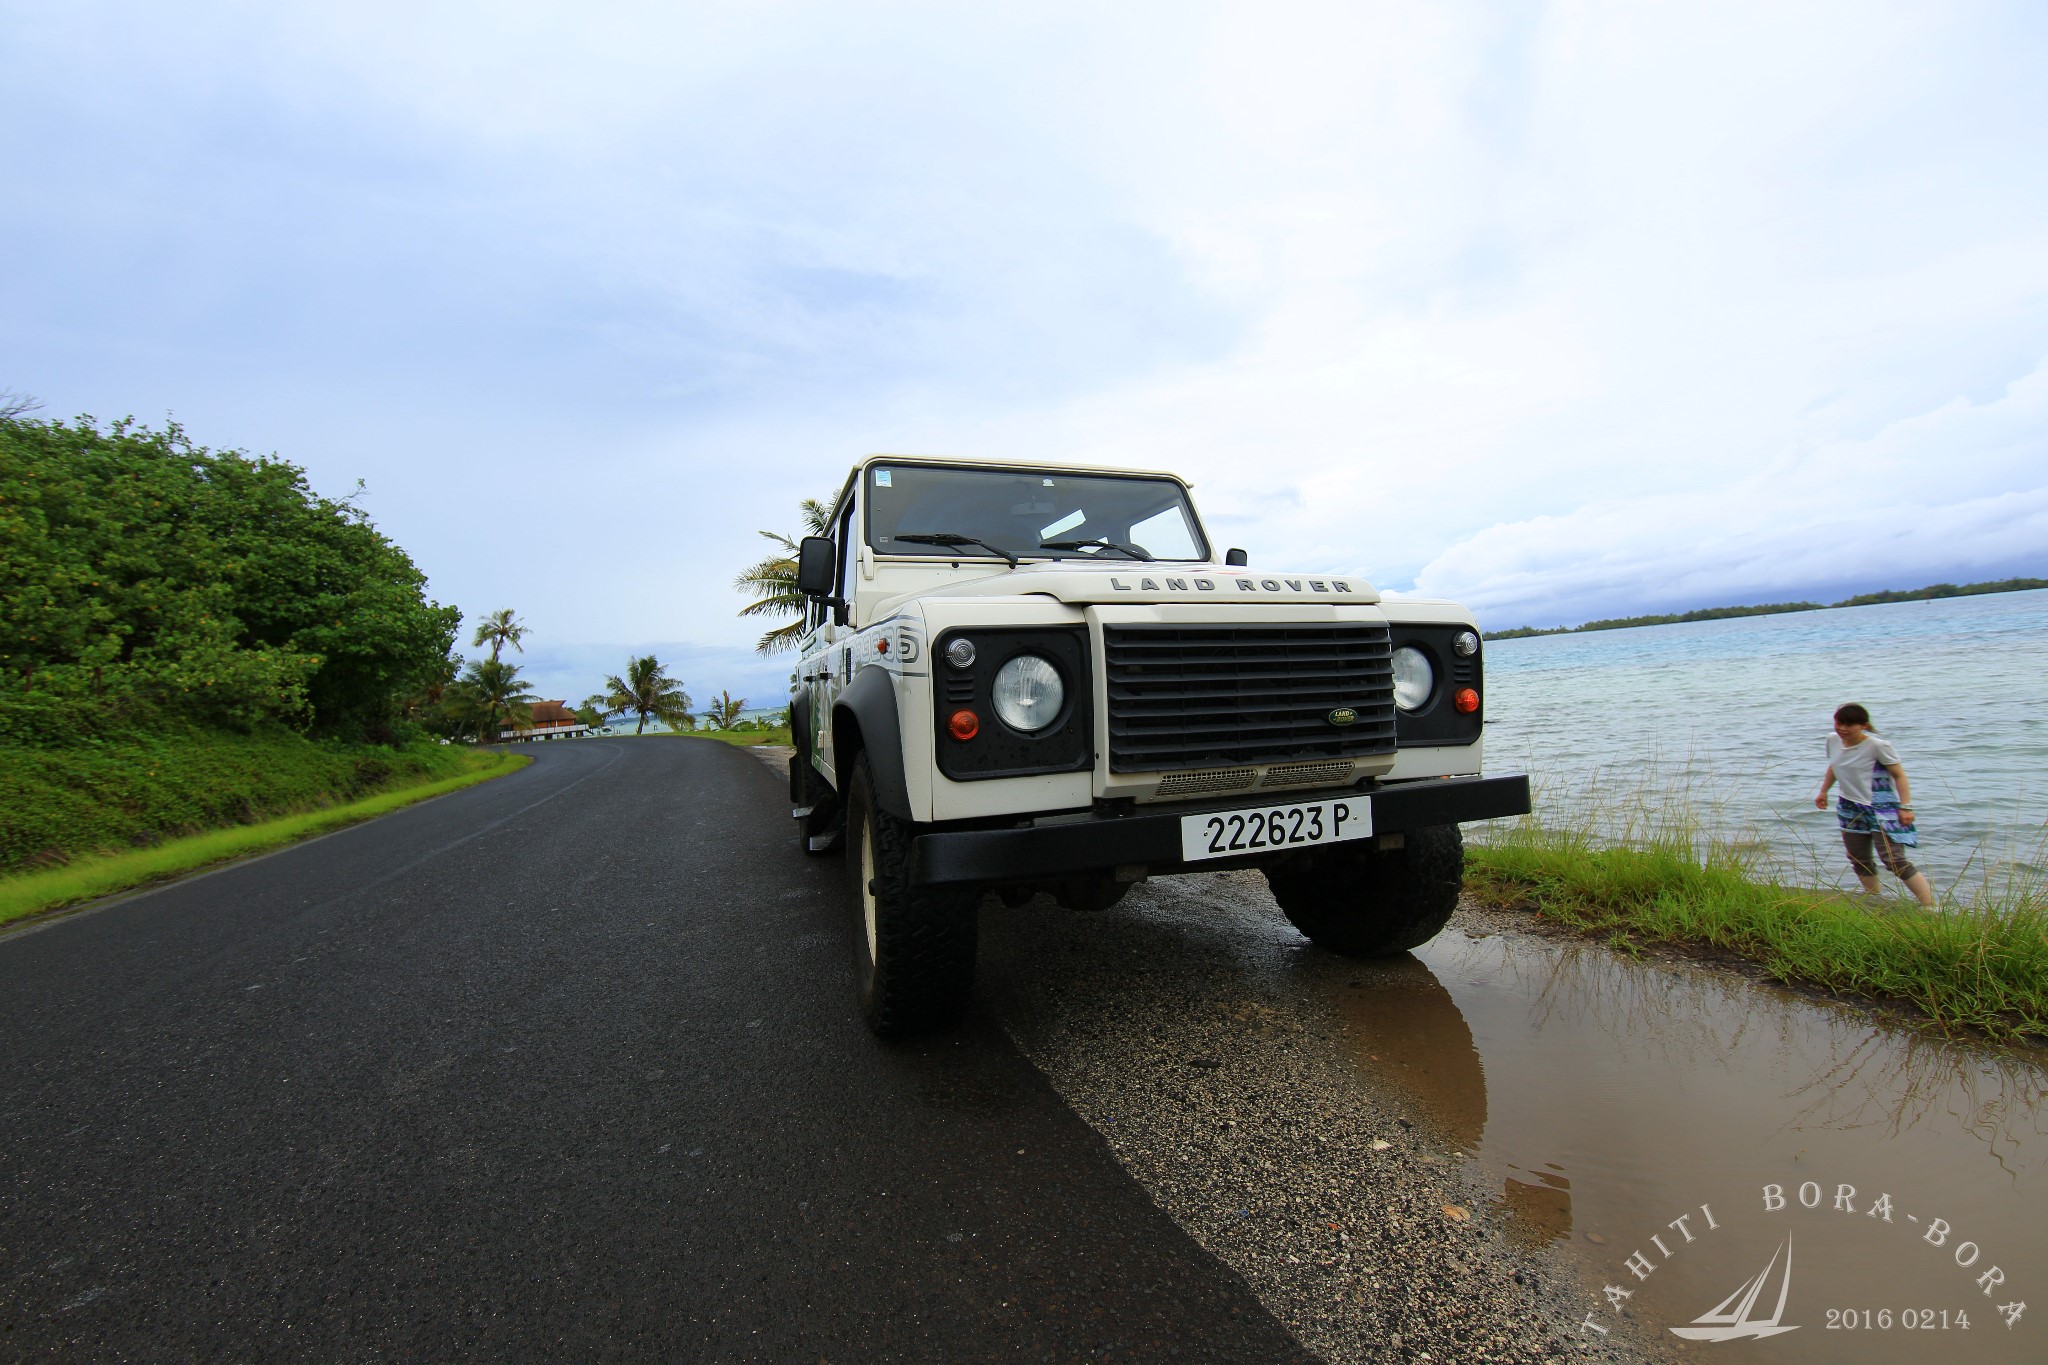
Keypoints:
pixel 819 843
pixel 801 812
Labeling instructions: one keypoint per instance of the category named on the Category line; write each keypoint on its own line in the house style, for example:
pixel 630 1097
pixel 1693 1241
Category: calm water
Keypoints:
pixel 1603 1097
pixel 1733 717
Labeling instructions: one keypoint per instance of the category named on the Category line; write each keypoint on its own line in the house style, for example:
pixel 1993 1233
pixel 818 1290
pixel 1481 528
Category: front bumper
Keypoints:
pixel 1152 838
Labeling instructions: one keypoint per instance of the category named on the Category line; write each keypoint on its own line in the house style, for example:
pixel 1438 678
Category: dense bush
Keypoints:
pixel 145 580
pixel 102 795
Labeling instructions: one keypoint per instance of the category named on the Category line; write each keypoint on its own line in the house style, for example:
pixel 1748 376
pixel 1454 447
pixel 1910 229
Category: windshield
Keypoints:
pixel 1094 516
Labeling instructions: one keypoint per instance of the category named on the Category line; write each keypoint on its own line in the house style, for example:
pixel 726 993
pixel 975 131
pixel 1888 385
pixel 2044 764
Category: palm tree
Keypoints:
pixel 724 711
pixel 648 690
pixel 499 629
pixel 773 580
pixel 490 696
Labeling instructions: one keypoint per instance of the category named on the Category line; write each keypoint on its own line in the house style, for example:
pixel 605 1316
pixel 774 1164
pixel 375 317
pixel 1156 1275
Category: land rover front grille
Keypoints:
pixel 1223 696
pixel 1193 784
pixel 1308 774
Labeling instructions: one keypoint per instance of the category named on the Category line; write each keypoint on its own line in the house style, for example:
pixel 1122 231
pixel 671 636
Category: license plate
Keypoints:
pixel 1227 833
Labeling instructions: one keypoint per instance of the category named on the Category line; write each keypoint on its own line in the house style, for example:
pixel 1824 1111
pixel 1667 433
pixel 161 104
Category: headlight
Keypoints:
pixel 1414 679
pixel 1028 693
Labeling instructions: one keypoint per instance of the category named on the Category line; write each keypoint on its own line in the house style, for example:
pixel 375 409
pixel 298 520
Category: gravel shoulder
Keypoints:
pixel 1208 1044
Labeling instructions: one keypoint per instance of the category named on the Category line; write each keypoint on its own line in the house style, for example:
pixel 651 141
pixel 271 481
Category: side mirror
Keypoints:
pixel 1236 559
pixel 817 560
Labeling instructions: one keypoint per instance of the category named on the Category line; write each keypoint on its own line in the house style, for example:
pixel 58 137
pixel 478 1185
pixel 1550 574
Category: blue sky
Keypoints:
pixel 1562 310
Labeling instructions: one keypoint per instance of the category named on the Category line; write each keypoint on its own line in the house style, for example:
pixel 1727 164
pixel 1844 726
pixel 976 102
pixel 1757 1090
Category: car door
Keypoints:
pixel 827 672
pixel 810 669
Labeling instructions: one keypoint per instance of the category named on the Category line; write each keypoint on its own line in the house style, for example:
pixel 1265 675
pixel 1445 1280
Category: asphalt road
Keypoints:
pixel 560 1066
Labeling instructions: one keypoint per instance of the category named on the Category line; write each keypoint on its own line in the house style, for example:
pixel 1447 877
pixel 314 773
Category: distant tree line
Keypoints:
pixel 1871 599
pixel 145 579
pixel 1774 608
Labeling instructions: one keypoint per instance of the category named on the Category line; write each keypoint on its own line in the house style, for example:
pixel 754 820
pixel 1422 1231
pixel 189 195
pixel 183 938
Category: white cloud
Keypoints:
pixel 1451 295
pixel 1960 489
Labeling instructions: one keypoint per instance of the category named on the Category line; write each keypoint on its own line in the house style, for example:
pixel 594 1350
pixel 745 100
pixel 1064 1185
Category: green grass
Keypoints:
pixel 113 793
pixel 745 739
pixel 1979 962
pixel 95 875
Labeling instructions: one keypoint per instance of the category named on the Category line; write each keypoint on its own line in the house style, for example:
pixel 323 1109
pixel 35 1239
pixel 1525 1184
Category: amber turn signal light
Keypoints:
pixel 966 725
pixel 1467 700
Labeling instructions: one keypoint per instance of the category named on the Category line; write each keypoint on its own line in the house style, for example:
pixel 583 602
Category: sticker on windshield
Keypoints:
pixel 1065 523
pixel 882 478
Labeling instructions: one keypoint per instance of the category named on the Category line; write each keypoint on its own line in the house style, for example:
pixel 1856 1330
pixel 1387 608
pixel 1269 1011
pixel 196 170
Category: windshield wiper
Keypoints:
pixel 1133 551
pixel 953 540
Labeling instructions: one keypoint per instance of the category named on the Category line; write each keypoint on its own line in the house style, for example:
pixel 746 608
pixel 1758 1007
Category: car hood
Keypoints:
pixel 1093 584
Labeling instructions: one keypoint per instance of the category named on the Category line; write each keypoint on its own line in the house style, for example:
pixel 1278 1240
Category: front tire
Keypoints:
pixel 913 946
pixel 1374 902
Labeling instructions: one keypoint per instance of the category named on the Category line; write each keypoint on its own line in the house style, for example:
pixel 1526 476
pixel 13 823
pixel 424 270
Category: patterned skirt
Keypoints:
pixel 1881 816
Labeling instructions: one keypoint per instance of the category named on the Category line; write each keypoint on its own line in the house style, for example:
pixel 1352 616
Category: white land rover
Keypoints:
pixel 1024 678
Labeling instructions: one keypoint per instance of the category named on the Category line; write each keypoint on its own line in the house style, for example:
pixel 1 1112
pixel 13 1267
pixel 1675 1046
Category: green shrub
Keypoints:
pixel 146 580
pixel 104 794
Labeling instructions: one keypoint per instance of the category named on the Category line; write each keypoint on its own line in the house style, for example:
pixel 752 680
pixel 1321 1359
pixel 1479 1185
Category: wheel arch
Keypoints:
pixel 800 740
pixel 864 721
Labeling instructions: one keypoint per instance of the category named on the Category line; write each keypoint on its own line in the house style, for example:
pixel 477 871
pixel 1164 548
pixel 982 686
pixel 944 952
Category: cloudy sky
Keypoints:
pixel 1564 310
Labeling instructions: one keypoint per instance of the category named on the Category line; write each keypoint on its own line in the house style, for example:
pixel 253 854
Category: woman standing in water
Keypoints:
pixel 1876 804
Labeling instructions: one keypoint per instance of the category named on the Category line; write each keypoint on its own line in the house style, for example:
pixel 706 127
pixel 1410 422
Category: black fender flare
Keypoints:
pixel 800 740
pixel 867 707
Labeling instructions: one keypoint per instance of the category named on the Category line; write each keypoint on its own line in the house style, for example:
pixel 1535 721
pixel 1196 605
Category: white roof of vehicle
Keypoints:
pixel 1063 466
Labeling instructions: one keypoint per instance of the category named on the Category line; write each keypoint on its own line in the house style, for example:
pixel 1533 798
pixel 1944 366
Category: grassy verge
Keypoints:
pixel 745 739
pixel 113 793
pixel 98 875
pixel 1981 964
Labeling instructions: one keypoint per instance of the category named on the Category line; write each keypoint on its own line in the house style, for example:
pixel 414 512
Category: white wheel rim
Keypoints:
pixel 867 883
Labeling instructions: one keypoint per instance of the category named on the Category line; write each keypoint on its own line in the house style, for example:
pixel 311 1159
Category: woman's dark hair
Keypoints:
pixel 1854 714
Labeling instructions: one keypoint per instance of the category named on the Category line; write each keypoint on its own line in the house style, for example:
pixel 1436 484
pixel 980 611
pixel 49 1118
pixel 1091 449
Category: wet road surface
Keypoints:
pixel 561 1066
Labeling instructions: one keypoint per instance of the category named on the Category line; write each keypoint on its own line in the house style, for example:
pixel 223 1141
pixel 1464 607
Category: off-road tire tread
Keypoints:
pixel 926 937
pixel 1378 905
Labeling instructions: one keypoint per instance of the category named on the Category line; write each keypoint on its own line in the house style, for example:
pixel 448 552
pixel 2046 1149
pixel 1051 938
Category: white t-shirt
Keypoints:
pixel 1852 766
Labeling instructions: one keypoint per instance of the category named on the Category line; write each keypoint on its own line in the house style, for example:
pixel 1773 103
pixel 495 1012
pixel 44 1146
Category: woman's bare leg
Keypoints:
pixel 1858 847
pixel 1896 862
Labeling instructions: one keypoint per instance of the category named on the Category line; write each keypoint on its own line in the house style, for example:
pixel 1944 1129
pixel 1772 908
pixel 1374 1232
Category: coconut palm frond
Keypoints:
pixel 772 575
pixel 499 629
pixel 780 638
pixel 772 582
pixel 817 515
pixel 489 697
pixel 646 690
pixel 770 606
pixel 724 711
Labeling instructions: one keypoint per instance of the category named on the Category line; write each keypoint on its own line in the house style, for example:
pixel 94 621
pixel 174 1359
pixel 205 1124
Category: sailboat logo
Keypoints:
pixel 1730 1319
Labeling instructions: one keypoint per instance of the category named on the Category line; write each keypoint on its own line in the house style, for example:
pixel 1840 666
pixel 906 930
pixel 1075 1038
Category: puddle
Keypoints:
pixel 1417 1041
pixel 1714 1146
pixel 1356 1139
